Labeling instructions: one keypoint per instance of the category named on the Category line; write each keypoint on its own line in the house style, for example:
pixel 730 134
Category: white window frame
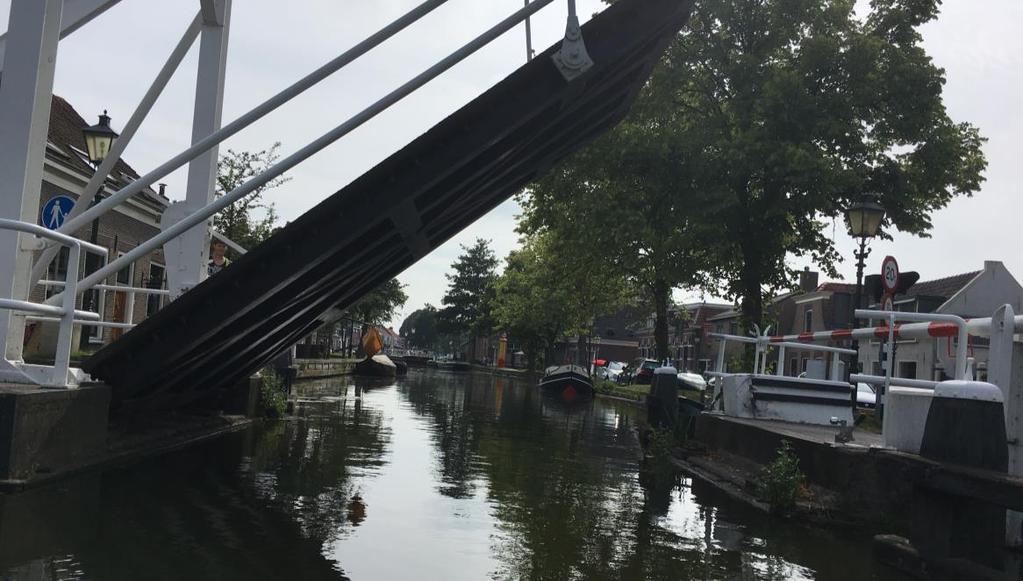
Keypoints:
pixel 96 336
pixel 163 286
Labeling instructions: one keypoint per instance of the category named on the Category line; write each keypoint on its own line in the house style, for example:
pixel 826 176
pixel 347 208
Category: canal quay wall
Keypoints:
pixel 321 368
pixel 954 515
pixel 50 434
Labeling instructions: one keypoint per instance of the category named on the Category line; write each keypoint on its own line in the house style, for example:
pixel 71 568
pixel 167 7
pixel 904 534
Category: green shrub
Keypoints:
pixel 660 444
pixel 781 481
pixel 272 394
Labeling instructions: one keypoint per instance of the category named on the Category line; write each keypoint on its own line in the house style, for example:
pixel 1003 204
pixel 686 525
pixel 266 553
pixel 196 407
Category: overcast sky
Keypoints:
pixel 110 63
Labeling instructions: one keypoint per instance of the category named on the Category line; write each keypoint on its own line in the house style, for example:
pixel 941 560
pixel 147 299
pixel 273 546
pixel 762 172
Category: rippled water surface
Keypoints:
pixel 442 476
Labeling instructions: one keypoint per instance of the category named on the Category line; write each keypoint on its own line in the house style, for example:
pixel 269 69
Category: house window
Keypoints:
pixel 808 320
pixel 156 281
pixel 124 276
pixel 907 369
pixel 92 299
pixel 793 365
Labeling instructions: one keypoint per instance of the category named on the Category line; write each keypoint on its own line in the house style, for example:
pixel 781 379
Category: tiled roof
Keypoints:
pixel 941 287
pixel 65 132
pixel 837 287
pixel 735 312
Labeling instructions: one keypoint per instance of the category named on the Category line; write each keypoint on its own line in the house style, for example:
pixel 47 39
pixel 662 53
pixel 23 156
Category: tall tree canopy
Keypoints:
pixel 548 291
pixel 379 305
pixel 470 288
pixel 251 219
pixel 764 120
pixel 420 329
pixel 629 204
pixel 790 110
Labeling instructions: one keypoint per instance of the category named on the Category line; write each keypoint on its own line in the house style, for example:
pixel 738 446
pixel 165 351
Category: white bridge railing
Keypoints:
pixel 58 374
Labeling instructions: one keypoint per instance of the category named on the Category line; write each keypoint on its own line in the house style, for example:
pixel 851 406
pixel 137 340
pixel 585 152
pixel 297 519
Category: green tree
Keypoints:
pixel 470 288
pixel 420 329
pixel 251 219
pixel 547 292
pixel 786 111
pixel 629 206
pixel 379 305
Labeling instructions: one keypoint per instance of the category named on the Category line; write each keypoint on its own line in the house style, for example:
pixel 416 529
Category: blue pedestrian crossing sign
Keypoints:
pixel 55 210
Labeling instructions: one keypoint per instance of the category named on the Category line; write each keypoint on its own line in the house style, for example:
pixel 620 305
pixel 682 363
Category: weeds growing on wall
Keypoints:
pixel 781 481
pixel 272 394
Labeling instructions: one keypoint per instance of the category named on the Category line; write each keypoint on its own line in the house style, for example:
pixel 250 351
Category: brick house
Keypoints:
pixel 66 171
pixel 688 347
pixel 829 306
pixel 782 309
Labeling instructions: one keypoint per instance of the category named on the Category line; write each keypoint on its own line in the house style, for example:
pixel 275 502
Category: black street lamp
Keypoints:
pixel 864 220
pixel 99 138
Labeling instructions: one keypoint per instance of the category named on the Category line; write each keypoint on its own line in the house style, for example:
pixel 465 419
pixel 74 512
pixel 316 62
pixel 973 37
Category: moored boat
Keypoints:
pixel 571 382
pixel 448 365
pixel 376 366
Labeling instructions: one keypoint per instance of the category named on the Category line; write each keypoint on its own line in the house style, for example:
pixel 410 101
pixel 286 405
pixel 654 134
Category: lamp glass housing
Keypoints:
pixel 864 219
pixel 99 138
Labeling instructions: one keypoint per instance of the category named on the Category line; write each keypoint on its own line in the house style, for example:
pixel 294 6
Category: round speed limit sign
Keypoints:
pixel 889 274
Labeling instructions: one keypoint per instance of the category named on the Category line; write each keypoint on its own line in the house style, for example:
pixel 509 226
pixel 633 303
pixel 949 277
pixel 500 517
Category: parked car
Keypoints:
pixel 640 371
pixel 613 370
pixel 687 380
pixel 865 396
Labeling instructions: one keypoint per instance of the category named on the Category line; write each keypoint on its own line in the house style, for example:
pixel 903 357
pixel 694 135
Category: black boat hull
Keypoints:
pixel 569 386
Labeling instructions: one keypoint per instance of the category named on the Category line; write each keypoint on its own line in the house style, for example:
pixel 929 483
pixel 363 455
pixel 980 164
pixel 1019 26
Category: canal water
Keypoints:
pixel 442 476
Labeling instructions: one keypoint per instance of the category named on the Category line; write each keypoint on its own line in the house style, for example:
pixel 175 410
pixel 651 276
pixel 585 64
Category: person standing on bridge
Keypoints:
pixel 218 259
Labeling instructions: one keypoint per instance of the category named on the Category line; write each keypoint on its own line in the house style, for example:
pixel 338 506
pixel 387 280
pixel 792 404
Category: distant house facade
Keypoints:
pixel 968 295
pixel 688 345
pixel 66 171
pixel 785 310
pixel 815 308
pixel 391 339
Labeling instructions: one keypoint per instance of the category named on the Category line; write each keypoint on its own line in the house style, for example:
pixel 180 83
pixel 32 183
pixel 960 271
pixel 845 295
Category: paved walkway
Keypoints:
pixel 809 432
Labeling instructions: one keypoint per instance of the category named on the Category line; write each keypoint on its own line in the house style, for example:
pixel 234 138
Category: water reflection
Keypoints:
pixel 442 476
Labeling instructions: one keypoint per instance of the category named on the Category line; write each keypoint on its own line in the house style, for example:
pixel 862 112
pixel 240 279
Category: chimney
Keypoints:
pixel 808 280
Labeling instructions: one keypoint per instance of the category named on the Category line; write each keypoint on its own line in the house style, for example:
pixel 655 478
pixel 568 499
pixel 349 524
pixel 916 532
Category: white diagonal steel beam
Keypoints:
pixel 76 14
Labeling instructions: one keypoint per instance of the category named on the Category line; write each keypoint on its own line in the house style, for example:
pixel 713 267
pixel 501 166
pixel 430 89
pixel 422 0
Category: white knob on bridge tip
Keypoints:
pixel 962 389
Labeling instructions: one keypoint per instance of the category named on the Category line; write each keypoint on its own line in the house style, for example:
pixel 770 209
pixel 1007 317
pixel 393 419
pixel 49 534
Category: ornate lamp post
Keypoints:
pixel 864 220
pixel 99 138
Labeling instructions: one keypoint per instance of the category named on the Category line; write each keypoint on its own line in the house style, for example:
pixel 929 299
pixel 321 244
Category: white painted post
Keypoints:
pixel 25 93
pixel 836 367
pixel 1005 369
pixel 193 250
pixel 781 361
pixel 129 309
pixel 75 14
pixel 62 356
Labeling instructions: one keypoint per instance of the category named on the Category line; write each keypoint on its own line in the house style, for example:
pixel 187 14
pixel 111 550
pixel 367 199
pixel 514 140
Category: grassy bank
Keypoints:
pixel 638 392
